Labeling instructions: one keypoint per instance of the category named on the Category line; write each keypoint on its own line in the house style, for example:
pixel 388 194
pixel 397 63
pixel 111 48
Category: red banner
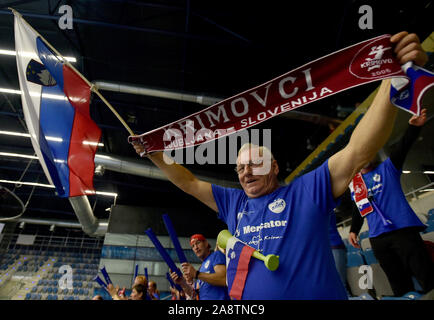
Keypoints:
pixel 362 63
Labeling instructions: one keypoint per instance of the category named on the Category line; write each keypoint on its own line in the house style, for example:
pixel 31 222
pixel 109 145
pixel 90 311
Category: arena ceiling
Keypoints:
pixel 210 48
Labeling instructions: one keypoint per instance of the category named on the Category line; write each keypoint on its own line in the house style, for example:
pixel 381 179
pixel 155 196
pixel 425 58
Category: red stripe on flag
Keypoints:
pixel 241 274
pixel 81 157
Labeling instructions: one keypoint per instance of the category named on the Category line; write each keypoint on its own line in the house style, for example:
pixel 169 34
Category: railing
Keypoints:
pixel 413 192
pixel 57 243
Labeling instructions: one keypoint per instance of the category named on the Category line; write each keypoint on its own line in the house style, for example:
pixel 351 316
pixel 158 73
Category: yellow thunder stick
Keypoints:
pixel 271 261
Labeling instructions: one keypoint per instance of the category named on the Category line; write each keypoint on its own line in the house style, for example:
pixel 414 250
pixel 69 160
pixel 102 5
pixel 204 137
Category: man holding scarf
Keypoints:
pixel 292 221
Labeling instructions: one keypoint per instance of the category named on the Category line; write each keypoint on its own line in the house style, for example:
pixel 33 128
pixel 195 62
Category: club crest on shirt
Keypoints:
pixel 277 206
pixel 376 177
pixel 206 265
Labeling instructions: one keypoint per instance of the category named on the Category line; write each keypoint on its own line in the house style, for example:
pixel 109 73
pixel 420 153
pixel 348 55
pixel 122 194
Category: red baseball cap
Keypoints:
pixel 196 237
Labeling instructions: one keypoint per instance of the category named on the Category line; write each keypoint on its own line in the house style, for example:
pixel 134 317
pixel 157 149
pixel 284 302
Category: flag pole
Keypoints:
pixel 91 85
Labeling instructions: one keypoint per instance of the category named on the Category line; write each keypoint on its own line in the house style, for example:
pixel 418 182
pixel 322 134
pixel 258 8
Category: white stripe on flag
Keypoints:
pixel 25 45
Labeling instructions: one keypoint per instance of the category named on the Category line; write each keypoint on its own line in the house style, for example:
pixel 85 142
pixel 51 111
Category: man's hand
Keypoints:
pixel 186 287
pixel 177 279
pixel 113 291
pixel 189 271
pixel 140 148
pixel 408 48
pixel 352 238
pixel 418 121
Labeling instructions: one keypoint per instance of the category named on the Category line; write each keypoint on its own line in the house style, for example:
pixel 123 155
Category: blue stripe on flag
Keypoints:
pixel 51 62
pixel 56 120
pixel 49 162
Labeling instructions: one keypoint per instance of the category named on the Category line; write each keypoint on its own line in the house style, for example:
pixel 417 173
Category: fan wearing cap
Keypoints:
pixel 210 279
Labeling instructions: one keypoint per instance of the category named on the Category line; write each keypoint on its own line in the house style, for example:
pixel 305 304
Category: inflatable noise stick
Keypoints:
pixel 106 276
pixel 100 282
pixel 171 230
pixel 162 251
pixel 136 271
pixel 271 261
pixel 146 273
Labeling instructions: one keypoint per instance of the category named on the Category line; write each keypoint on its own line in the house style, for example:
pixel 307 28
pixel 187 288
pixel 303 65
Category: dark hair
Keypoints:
pixel 140 288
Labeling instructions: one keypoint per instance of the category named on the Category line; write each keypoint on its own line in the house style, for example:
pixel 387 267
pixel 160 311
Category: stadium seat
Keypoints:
pixel 429 236
pixel 364 235
pixel 349 129
pixel 408 296
pixel 350 248
pixel 369 256
pixel 365 244
pixel 430 227
pixel 28 295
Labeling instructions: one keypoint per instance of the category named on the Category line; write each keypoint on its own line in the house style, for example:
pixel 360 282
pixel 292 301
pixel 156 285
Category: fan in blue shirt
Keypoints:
pixel 292 221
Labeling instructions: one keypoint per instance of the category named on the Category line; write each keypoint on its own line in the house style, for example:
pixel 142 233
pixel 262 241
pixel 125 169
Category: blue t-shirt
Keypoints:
pixel 335 237
pixel 293 223
pixel 384 184
pixel 208 291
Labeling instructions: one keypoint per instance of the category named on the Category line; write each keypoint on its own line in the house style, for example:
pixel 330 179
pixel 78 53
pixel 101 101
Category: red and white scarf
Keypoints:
pixel 359 193
pixel 365 62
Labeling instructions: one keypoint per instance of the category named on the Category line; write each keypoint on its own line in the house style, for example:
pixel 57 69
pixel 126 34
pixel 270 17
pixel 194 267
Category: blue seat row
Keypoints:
pixel 354 259
pixel 33 296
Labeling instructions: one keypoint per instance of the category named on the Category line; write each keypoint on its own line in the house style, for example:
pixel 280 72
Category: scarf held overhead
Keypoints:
pixel 361 63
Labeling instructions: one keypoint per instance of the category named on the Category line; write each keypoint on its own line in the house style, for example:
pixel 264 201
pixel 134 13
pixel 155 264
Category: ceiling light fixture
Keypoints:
pixel 17 155
pixel 56 139
pixel 101 193
pixel 28 183
pixel 14 53
pixel 90 192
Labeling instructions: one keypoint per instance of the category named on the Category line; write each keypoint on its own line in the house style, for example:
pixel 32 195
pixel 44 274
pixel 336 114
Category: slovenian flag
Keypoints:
pixel 55 101
pixel 238 256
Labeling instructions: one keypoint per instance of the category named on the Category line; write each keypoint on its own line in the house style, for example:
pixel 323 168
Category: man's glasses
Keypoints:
pixel 239 169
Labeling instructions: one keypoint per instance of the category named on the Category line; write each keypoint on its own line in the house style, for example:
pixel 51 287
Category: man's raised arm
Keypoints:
pixel 374 129
pixel 182 178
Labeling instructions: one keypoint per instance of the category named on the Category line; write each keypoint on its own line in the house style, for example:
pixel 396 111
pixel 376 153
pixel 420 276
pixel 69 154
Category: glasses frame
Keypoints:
pixel 239 169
